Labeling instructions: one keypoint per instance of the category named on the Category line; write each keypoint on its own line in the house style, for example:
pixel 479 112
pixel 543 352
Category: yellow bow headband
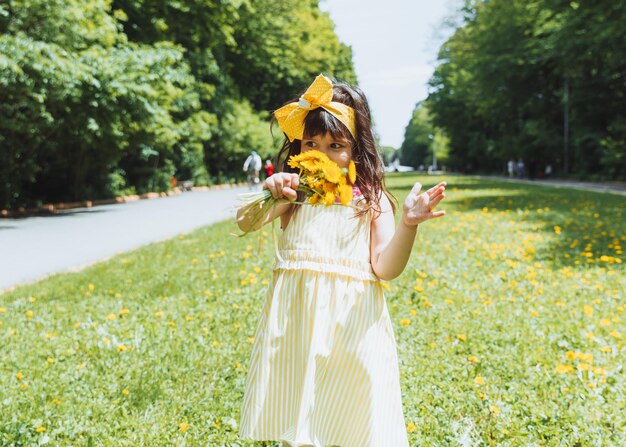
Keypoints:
pixel 319 94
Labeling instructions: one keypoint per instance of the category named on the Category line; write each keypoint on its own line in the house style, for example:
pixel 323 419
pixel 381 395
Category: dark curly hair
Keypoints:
pixel 369 163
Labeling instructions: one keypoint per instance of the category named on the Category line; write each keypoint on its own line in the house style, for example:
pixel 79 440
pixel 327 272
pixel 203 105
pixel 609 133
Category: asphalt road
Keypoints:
pixel 34 247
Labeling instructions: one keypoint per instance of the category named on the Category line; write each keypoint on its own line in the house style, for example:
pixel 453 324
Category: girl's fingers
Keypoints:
pixel 271 187
pixel 278 187
pixel 437 199
pixel 295 181
pixel 290 194
pixel 416 188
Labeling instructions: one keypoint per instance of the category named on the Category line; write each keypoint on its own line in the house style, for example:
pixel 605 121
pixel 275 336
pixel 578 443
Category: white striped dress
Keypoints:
pixel 323 369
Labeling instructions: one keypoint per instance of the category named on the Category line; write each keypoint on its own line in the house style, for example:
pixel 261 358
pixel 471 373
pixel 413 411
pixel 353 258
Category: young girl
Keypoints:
pixel 324 368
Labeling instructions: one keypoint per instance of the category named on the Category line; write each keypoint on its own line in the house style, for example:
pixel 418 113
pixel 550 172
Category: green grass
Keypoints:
pixel 514 282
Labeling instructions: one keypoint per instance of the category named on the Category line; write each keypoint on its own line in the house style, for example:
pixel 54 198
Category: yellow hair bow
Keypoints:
pixel 319 94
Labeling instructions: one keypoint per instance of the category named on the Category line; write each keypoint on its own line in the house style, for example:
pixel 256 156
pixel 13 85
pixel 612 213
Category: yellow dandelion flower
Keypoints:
pixel 125 392
pixel 183 426
pixel 410 427
pixel 345 194
pixel 329 198
pixel 562 369
pixel 332 172
pixel 472 359
pixel 352 172
pixel 405 322
pixel 19 376
pixel 479 380
pixel 494 409
pixel 462 337
pixel 40 429
pixel 315 198
pixel 329 187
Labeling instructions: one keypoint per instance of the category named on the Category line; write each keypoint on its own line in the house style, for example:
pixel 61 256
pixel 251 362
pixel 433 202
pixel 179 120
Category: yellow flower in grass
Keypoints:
pixel 562 369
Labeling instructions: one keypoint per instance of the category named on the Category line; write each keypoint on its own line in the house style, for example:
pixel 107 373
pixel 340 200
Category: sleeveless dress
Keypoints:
pixel 323 370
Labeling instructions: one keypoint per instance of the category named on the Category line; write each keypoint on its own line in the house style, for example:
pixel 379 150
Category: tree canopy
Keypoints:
pixel 116 96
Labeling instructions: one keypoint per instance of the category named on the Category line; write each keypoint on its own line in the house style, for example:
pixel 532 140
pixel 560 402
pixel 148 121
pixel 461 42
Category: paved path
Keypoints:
pixel 610 187
pixel 34 247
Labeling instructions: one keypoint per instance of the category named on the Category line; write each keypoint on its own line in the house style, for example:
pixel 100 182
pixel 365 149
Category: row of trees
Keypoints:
pixel 541 80
pixel 108 97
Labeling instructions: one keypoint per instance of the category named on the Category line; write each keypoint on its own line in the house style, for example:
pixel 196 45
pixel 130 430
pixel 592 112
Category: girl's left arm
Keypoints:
pixel 390 250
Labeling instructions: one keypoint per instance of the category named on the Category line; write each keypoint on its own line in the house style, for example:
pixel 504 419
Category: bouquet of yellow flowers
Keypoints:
pixel 321 179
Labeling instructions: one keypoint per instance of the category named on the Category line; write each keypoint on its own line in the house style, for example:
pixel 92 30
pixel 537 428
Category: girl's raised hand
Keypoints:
pixel 283 185
pixel 418 207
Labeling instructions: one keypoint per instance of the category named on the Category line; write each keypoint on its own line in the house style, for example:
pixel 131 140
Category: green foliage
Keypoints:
pixel 109 96
pixel 241 130
pixel 389 153
pixel 421 139
pixel 508 76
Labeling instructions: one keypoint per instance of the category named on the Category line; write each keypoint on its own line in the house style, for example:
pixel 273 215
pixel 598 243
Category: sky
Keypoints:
pixel 394 48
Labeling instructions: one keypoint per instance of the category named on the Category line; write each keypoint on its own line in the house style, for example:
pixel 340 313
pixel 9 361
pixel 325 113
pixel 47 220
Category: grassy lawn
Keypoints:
pixel 509 320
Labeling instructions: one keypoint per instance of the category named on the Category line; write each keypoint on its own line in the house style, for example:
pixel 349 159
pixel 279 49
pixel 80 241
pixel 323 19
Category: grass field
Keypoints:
pixel 509 320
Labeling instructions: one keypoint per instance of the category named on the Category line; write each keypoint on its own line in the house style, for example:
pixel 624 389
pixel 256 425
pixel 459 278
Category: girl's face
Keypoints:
pixel 338 150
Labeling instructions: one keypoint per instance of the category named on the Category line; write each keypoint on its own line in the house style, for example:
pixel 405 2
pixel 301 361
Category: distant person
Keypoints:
pixel 511 168
pixel 548 170
pixel 268 168
pixel 520 168
pixel 252 166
